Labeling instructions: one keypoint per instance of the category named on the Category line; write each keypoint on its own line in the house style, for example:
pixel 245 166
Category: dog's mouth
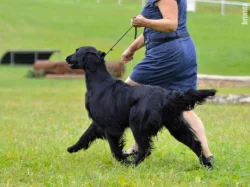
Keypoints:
pixel 74 66
pixel 71 63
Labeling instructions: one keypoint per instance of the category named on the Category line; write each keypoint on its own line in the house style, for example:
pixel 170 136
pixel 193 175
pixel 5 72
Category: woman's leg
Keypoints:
pixel 197 125
pixel 131 82
pixel 194 121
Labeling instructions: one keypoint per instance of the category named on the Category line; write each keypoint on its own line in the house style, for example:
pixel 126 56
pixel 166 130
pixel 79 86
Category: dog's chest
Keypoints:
pixel 97 106
pixel 104 110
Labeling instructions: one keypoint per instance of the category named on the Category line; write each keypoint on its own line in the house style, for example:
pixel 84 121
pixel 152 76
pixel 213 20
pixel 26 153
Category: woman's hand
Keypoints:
pixel 139 21
pixel 127 55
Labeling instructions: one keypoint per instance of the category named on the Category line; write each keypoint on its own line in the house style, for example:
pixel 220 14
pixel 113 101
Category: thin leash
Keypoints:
pixel 111 49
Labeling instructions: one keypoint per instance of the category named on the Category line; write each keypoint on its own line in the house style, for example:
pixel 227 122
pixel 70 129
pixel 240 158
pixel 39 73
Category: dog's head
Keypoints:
pixel 86 58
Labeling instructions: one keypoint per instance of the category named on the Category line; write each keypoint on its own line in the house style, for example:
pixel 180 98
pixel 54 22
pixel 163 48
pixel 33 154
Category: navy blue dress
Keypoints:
pixel 171 64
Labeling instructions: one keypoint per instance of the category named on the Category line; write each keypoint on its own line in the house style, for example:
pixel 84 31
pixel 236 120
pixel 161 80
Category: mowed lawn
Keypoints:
pixel 40 118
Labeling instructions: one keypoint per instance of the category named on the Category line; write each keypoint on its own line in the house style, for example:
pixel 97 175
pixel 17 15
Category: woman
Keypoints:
pixel 170 58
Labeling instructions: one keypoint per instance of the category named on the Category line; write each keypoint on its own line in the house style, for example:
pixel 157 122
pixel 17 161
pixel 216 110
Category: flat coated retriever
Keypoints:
pixel 114 106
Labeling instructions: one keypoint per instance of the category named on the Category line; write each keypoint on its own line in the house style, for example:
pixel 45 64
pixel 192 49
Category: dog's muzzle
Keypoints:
pixel 71 64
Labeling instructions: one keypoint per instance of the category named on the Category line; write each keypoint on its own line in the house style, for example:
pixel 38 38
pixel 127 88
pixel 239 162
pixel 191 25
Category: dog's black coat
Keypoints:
pixel 115 106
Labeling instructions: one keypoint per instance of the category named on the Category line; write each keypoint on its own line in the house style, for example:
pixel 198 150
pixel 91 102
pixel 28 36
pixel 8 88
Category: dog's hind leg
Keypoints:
pixel 181 130
pixel 90 135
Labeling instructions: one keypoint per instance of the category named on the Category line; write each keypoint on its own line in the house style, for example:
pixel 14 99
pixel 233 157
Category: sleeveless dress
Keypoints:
pixel 171 65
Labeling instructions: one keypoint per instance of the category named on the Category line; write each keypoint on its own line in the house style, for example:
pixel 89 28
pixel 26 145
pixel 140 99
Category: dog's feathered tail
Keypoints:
pixel 184 101
pixel 175 104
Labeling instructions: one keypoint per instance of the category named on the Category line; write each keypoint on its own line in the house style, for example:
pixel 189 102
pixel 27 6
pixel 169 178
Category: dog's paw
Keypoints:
pixel 132 154
pixel 207 162
pixel 73 149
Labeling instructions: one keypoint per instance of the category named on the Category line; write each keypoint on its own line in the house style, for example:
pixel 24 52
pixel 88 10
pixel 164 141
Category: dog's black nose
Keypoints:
pixel 68 58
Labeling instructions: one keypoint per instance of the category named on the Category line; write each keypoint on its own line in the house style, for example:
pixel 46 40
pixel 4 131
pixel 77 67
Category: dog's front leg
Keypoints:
pixel 91 134
pixel 143 141
pixel 116 143
pixel 143 152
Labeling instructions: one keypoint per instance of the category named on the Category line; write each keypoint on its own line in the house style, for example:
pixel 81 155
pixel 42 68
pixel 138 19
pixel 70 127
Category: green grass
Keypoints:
pixel 40 118
pixel 221 41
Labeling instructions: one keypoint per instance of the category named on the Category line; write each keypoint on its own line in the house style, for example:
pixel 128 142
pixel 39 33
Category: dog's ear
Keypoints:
pixel 91 61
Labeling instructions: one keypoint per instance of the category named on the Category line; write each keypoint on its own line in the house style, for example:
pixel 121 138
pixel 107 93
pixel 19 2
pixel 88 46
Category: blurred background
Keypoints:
pixel 41 117
pixel 222 41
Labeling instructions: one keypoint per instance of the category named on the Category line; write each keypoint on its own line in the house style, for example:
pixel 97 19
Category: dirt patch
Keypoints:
pixel 64 76
pixel 50 69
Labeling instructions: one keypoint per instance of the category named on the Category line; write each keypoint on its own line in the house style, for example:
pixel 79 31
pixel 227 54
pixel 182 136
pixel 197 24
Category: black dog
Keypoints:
pixel 115 106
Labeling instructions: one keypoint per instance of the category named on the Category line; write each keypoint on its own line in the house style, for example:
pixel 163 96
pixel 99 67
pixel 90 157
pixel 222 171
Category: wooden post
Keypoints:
pixel 222 12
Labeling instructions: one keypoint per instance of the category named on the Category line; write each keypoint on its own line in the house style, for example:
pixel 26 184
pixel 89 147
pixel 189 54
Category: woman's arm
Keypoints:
pixel 128 54
pixel 169 23
pixel 137 44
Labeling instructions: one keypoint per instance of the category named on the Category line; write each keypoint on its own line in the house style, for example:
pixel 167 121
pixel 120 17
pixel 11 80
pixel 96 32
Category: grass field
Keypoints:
pixel 40 118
